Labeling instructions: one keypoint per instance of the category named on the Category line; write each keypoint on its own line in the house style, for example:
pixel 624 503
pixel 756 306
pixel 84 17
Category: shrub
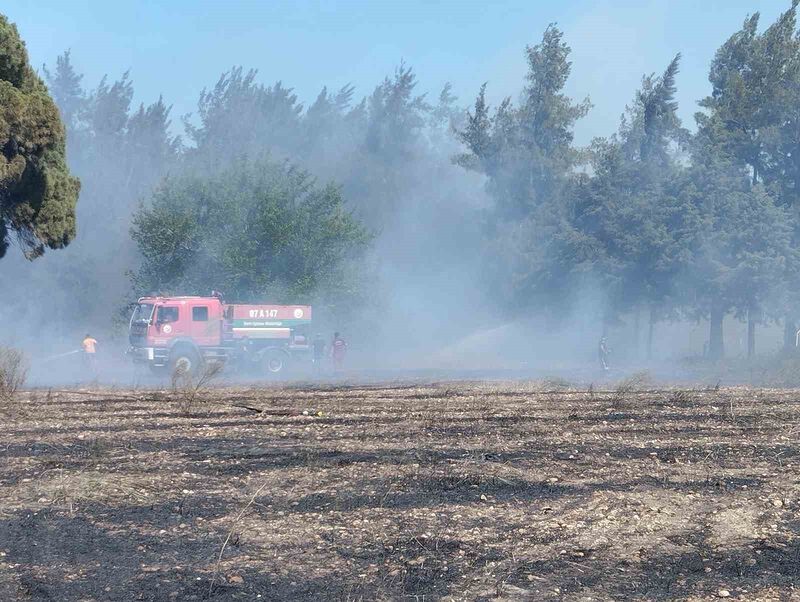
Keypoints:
pixel 13 372
pixel 188 388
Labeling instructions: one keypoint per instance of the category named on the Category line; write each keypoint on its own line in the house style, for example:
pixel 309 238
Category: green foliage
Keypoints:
pixel 37 193
pixel 239 117
pixel 66 89
pixel 527 150
pixel 643 230
pixel 646 224
pixel 390 154
pixel 395 116
pixel 257 231
pixel 634 233
pixel 651 217
pixel 745 243
pixel 750 123
pixel 527 154
pixel 754 78
pixel 659 122
pixel 120 153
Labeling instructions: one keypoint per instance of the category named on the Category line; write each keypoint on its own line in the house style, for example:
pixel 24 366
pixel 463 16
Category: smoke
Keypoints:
pixel 390 152
pixel 431 298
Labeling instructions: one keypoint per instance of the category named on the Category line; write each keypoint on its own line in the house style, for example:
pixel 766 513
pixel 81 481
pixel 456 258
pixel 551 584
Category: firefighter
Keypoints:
pixel 89 345
pixel 338 351
pixel 319 352
pixel 604 352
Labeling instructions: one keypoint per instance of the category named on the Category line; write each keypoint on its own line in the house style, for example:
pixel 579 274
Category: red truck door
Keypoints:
pixel 171 320
pixel 205 322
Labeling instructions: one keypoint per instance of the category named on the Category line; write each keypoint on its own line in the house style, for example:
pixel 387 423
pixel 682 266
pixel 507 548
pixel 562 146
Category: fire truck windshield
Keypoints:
pixel 142 311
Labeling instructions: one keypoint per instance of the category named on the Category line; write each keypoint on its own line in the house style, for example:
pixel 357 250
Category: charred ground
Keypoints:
pixel 461 491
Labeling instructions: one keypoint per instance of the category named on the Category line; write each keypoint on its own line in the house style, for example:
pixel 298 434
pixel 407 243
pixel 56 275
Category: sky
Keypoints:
pixel 176 48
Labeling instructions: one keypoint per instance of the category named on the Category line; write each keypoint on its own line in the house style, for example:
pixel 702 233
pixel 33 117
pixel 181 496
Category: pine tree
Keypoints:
pixel 239 118
pixel 150 148
pixel 37 193
pixel 527 150
pixel 66 87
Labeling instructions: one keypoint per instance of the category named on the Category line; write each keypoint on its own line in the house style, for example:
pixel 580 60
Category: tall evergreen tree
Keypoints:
pixel 38 194
pixel 664 239
pixel 239 117
pixel 65 85
pixel 526 152
pixel 150 147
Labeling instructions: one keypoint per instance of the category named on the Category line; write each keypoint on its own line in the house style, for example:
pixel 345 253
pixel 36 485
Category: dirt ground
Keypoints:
pixel 402 491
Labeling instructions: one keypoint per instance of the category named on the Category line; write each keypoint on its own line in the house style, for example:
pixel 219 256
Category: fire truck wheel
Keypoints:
pixel 275 362
pixel 185 360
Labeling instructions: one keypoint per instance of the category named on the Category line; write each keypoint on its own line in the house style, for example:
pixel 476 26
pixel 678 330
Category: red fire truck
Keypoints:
pixel 188 332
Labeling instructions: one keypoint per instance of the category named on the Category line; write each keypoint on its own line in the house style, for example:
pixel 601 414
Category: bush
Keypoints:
pixel 13 372
pixel 259 226
pixel 628 387
pixel 188 388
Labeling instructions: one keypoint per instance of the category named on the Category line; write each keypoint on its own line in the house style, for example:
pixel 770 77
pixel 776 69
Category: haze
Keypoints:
pixel 309 44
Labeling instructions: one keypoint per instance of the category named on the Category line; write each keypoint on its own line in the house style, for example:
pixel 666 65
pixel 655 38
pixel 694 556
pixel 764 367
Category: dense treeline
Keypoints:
pixel 658 219
pixel 495 203
pixel 383 163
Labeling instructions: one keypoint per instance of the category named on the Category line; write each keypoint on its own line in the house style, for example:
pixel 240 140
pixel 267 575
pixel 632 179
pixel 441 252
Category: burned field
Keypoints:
pixel 460 491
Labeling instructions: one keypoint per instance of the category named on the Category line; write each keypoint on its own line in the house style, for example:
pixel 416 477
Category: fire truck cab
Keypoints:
pixel 188 332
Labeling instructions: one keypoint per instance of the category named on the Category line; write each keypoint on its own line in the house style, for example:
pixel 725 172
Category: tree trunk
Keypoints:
pixel 716 345
pixel 752 317
pixel 650 327
pixel 789 334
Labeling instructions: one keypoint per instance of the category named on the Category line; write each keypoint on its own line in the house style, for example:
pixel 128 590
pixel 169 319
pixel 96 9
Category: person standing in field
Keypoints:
pixel 604 352
pixel 89 345
pixel 338 351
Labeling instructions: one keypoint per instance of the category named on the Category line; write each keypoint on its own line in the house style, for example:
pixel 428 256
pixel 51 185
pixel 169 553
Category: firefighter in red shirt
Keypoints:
pixel 338 351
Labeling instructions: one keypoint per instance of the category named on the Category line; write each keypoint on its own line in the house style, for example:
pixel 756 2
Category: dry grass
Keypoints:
pixel 189 390
pixel 627 388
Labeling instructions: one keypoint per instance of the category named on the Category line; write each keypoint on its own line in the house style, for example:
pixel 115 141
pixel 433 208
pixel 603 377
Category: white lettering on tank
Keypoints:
pixel 263 313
